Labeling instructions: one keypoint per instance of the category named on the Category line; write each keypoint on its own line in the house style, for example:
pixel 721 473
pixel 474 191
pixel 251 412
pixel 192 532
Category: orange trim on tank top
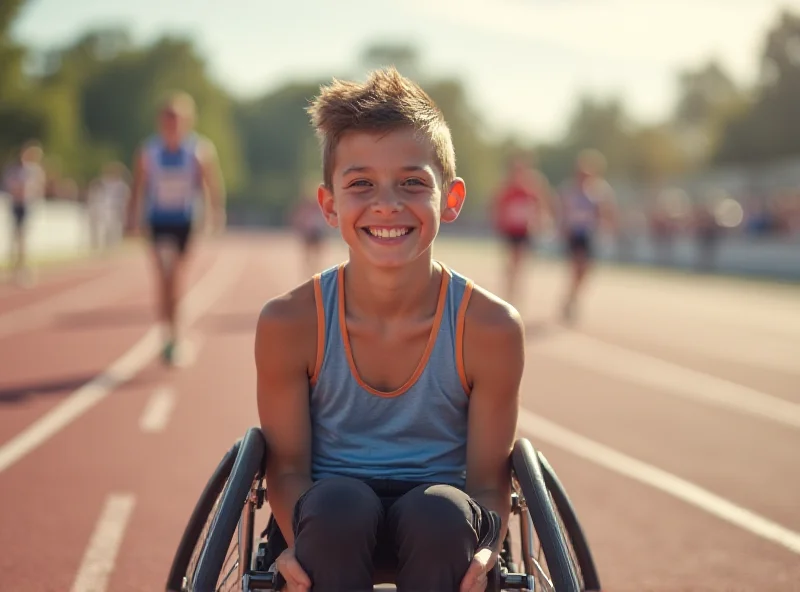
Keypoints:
pixel 320 328
pixel 460 321
pixel 423 362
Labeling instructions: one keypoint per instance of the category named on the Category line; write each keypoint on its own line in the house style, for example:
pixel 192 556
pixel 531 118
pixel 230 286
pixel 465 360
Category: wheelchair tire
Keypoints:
pixel 586 565
pixel 247 468
pixel 554 544
pixel 198 519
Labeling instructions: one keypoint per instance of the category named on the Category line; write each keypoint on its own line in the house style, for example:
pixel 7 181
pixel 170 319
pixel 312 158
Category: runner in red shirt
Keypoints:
pixel 310 225
pixel 519 208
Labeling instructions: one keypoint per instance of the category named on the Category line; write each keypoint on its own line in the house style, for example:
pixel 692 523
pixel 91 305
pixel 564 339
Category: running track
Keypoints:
pixel 671 412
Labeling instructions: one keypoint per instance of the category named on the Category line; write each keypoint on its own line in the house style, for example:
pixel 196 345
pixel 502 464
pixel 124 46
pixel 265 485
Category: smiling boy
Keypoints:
pixel 388 385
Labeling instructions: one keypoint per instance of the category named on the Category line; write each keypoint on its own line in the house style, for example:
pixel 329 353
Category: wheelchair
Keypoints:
pixel 219 551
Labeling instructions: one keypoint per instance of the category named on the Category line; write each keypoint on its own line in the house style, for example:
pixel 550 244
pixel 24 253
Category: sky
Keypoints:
pixel 524 62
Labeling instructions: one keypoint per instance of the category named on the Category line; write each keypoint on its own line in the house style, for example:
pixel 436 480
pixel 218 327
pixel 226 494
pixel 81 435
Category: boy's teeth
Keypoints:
pixel 388 233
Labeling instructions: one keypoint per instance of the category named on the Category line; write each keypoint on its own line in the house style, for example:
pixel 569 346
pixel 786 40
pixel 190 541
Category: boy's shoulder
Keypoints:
pixel 286 331
pixel 493 339
pixel 486 311
pixel 290 308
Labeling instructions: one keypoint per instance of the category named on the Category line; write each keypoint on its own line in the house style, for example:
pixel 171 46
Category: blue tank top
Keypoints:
pixel 174 181
pixel 582 211
pixel 416 433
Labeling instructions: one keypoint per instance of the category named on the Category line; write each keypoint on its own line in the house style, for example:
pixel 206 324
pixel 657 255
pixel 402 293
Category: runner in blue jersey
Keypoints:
pixel 586 203
pixel 174 171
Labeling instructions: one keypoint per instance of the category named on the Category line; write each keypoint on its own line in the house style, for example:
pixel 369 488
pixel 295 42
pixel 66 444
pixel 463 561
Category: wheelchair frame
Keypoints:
pixel 236 489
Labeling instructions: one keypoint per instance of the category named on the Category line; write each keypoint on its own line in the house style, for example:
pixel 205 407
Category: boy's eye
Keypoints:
pixel 359 183
pixel 415 181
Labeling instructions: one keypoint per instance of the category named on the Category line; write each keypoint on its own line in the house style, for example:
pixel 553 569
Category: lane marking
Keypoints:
pixel 188 350
pixel 80 298
pixel 666 377
pixel 210 288
pixel 101 554
pixel 543 429
pixel 45 280
pixel 158 410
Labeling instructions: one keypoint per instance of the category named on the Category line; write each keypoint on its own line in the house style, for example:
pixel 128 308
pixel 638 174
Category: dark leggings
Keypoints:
pixel 351 534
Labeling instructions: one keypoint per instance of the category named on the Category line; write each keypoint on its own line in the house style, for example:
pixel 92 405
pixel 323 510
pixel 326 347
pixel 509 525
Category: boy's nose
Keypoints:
pixel 386 201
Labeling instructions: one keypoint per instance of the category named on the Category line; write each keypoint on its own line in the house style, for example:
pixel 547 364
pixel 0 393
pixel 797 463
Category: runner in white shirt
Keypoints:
pixel 25 181
pixel 107 203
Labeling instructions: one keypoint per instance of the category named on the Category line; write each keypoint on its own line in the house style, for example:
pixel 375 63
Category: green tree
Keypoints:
pixel 605 126
pixel 121 99
pixel 279 147
pixel 18 121
pixel 99 97
pixel 656 155
pixel 708 100
pixel 405 58
pixel 770 128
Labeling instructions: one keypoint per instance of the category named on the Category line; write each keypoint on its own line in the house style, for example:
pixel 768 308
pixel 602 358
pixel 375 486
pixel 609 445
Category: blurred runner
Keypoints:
pixel 519 209
pixel 174 170
pixel 25 182
pixel 107 201
pixel 586 202
pixel 707 232
pixel 308 222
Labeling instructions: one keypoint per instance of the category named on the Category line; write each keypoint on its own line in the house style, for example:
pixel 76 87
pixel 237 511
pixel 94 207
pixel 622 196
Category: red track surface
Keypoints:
pixel 643 538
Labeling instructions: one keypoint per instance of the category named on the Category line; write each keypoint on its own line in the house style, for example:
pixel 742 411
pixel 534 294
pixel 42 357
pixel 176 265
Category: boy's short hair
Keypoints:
pixel 386 101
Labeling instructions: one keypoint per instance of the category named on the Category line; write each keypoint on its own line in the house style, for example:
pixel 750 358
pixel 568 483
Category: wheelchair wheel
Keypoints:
pixel 194 536
pixel 582 556
pixel 226 558
pixel 558 573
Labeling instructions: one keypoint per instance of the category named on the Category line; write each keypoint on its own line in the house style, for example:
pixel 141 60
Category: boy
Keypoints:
pixel 175 170
pixel 388 385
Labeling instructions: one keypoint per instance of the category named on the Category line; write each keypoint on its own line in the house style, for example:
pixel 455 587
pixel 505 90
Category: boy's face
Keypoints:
pixel 387 197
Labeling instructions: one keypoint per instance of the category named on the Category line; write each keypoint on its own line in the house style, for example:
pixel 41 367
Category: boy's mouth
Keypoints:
pixel 384 232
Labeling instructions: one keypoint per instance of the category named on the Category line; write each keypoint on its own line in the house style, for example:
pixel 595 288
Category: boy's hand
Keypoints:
pixel 296 579
pixel 477 574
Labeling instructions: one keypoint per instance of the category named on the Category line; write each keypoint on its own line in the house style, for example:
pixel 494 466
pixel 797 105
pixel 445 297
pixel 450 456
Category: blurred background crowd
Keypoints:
pixel 725 161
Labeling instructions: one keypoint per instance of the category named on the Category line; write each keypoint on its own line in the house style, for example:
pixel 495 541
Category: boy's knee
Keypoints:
pixel 337 509
pixel 435 515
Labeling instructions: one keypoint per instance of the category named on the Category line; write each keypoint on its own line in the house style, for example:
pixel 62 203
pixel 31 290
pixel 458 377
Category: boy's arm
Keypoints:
pixel 285 340
pixel 494 358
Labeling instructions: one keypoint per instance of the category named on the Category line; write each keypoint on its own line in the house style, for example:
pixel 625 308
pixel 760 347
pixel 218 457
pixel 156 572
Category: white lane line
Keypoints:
pixel 543 429
pixel 82 297
pixel 101 554
pixel 667 377
pixel 157 412
pixel 202 296
pixel 188 350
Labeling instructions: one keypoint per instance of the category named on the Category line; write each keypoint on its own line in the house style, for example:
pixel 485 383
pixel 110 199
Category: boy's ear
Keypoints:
pixel 454 200
pixel 327 205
